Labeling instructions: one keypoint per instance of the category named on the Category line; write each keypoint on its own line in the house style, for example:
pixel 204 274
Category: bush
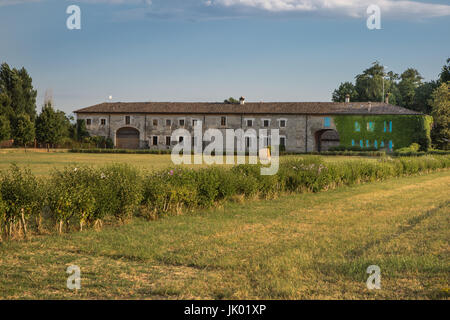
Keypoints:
pixel 21 196
pixel 71 196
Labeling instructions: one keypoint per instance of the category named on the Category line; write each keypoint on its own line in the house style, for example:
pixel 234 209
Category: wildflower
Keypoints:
pixel 171 172
pixel 102 176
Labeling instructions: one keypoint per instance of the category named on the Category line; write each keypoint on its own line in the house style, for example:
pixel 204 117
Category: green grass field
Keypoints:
pixel 42 163
pixel 308 246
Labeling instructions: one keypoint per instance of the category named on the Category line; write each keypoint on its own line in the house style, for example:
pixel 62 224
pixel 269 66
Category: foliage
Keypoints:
pixel 5 128
pixel 22 196
pixel 51 126
pixel 345 88
pixel 445 73
pixel 440 103
pixel 231 100
pixel 23 130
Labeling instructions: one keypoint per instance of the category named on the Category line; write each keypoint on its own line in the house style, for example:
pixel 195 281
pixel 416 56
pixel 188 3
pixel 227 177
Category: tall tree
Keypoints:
pixel 369 84
pixel 445 74
pixel 422 97
pixel 410 81
pixel 23 130
pixel 17 86
pixel 5 128
pixel 51 125
pixel 345 88
pixel 440 102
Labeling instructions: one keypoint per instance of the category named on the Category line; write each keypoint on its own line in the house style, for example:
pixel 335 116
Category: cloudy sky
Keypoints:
pixel 208 50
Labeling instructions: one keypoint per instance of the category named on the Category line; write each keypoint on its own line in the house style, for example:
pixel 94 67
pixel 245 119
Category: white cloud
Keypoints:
pixel 353 8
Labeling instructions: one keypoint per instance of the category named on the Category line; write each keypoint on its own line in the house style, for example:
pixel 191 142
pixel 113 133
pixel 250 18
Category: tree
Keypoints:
pixel 231 100
pixel 440 102
pixel 422 97
pixel 445 74
pixel 51 126
pixel 5 128
pixel 410 81
pixel 23 130
pixel 345 88
pixel 17 86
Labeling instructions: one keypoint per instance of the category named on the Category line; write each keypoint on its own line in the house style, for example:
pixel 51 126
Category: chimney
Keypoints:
pixel 386 99
pixel 241 100
pixel 347 98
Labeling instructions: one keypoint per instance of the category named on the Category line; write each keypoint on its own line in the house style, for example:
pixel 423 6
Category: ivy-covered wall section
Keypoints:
pixel 406 129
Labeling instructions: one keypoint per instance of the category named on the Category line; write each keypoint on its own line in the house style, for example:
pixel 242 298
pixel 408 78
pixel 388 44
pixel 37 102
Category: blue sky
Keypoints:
pixel 199 50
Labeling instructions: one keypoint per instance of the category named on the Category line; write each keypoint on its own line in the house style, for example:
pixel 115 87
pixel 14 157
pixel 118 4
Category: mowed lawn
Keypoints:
pixel 42 163
pixel 304 246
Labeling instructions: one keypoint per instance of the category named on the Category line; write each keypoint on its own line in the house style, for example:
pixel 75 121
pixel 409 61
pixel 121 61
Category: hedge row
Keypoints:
pixel 85 196
pixel 124 151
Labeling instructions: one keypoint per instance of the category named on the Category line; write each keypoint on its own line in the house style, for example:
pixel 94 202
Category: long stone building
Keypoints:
pixel 303 126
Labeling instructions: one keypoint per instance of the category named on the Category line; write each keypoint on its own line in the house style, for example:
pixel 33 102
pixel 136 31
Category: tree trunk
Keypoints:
pixel 60 226
pixel 24 224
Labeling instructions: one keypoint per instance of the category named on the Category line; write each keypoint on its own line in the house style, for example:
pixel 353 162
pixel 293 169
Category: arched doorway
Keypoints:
pixel 325 139
pixel 127 138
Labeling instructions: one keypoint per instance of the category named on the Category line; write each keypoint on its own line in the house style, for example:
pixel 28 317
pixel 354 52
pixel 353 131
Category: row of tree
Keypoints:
pixel 407 90
pixel 18 117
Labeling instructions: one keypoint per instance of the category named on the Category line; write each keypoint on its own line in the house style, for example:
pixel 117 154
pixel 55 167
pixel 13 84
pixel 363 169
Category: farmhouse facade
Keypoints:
pixel 303 126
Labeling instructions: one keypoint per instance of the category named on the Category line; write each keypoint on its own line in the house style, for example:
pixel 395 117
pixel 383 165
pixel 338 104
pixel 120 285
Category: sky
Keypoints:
pixel 201 50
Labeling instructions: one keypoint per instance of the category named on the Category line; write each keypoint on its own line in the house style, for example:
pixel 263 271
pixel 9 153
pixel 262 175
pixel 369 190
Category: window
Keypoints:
pixel 382 144
pixel 180 139
pixel 370 126
pixel 367 143
pixel 390 126
pixel 265 141
pixel 155 140
pixel 103 122
pixel 282 123
pixel 357 126
pixel 168 140
pixel 266 122
pixel 282 141
pixel 375 144
pixel 194 122
pixel 223 121
pixel 385 127
pixel 248 142
pixel 249 122
pixel 181 122
pixel 127 120
pixel 353 142
pixel 168 122
pixel 88 122
pixel 361 144
pixel 327 122
pixel 155 122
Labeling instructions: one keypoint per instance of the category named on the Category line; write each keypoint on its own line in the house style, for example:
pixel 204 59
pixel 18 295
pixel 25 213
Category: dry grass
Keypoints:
pixel 309 246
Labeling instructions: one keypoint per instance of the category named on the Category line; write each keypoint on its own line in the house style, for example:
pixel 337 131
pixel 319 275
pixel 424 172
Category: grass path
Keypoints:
pixel 295 247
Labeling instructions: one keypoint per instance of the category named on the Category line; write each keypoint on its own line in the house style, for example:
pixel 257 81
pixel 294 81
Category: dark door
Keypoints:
pixel 127 138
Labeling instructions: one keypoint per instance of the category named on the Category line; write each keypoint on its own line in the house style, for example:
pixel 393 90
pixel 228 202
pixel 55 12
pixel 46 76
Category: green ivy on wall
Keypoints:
pixel 406 129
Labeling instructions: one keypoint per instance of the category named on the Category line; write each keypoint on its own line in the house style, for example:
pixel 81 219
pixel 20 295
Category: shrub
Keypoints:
pixel 71 196
pixel 21 197
pixel 118 191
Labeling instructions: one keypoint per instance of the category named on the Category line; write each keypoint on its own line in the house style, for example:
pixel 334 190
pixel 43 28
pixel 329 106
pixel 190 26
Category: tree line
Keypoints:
pixel 406 90
pixel 19 120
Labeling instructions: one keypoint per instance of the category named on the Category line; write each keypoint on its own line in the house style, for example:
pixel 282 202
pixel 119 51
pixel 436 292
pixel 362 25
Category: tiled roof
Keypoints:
pixel 312 108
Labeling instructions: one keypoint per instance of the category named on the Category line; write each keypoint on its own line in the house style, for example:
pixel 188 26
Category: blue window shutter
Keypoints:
pixel 357 127
pixel 367 143
pixel 390 126
pixel 361 143
pixel 327 122
pixel 390 145
pixel 385 127
pixel 375 144
pixel 382 144
pixel 353 142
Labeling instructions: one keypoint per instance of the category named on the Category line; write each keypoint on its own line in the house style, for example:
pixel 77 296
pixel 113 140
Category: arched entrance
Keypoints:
pixel 127 138
pixel 325 139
